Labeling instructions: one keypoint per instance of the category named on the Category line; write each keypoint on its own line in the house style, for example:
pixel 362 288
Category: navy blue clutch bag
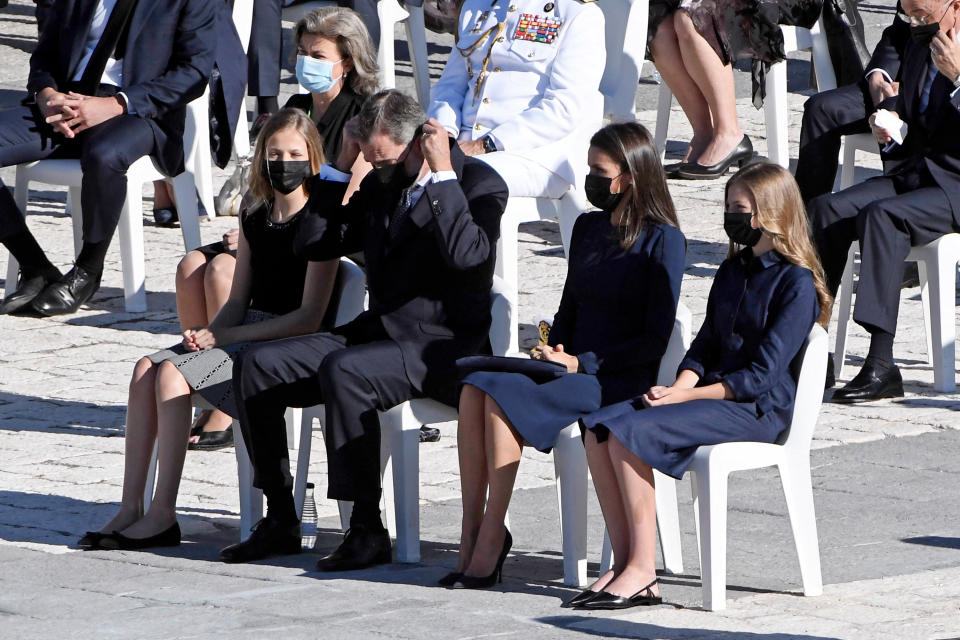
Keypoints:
pixel 539 371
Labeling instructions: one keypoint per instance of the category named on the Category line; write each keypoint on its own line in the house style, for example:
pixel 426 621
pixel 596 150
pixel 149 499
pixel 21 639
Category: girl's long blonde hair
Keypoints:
pixel 780 211
pixel 294 119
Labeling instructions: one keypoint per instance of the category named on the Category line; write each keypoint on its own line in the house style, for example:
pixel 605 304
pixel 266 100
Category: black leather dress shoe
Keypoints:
pixel 361 548
pixel 28 289
pixel 872 383
pixel 696 171
pixel 269 538
pixel 166 217
pixel 68 293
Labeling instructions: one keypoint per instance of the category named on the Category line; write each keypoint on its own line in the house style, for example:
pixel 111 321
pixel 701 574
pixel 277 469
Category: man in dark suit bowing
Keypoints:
pixel 427 219
pixel 109 82
pixel 914 203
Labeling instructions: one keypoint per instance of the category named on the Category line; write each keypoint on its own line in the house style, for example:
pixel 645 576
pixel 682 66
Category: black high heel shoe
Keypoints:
pixel 450 579
pixel 696 171
pixel 485 582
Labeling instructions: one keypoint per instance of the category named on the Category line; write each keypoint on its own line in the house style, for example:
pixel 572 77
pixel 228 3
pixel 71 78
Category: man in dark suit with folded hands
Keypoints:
pixel 914 203
pixel 109 83
pixel 427 219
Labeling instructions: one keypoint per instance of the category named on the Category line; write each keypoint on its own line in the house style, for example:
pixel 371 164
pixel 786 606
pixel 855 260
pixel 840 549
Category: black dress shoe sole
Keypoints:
pixel 883 395
pixel 385 556
pixel 240 559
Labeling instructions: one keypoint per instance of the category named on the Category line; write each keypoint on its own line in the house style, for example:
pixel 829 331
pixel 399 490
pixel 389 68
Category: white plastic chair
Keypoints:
pixel 937 264
pixel 775 107
pixel 351 289
pixel 625 28
pixel 668 519
pixel 791 455
pixel 195 178
pixel 852 144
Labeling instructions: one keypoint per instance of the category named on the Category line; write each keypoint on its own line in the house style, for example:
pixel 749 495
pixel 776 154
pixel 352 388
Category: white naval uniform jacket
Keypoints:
pixel 540 100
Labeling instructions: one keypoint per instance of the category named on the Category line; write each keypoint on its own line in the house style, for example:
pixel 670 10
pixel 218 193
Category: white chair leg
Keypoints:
pixel 417 42
pixel 924 270
pixel 606 553
pixel 844 300
pixel 404 431
pixel 151 479
pixel 942 281
pixel 798 491
pixel 292 418
pixel 506 268
pixel 668 522
pixel 251 498
pixel 570 472
pixel 712 498
pixel 131 248
pixel 775 114
pixel 664 103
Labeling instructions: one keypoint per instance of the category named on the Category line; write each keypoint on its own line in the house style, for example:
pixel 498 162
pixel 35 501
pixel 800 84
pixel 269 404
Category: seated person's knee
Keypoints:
pixel 190 265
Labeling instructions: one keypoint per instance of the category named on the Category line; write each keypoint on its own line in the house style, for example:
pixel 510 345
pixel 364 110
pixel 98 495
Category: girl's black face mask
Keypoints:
pixel 737 226
pixel 286 175
pixel 597 190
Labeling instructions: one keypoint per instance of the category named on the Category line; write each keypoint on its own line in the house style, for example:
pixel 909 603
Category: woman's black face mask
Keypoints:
pixel 597 190
pixel 286 175
pixel 737 226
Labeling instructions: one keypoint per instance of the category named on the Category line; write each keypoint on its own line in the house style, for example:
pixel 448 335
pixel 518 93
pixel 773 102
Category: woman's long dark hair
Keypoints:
pixel 646 199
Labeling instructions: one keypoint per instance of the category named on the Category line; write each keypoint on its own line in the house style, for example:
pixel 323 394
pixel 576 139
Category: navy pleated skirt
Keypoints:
pixel 666 437
pixel 539 412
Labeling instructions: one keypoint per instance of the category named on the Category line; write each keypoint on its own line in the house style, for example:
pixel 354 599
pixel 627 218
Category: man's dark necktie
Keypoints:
pixel 932 72
pixel 112 43
pixel 402 212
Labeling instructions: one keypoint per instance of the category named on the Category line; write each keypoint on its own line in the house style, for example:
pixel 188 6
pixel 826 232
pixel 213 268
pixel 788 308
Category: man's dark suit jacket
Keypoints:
pixel 889 52
pixel 167 63
pixel 933 137
pixel 430 285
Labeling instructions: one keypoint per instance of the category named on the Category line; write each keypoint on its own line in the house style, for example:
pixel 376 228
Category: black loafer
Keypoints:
pixel 166 217
pixel 872 383
pixel 269 538
pixel 212 440
pixel 361 548
pixel 28 288
pixel 169 537
pixel 68 293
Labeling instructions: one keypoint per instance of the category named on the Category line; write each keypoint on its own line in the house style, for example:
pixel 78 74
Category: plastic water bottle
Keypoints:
pixel 308 523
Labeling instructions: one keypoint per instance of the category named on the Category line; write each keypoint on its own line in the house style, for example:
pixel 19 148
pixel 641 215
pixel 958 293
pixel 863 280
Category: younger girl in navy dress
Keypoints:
pixel 734 383
pixel 615 318
pixel 275 294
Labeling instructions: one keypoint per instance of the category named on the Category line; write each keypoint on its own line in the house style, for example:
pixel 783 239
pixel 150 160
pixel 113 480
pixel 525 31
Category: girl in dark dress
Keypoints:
pixel 734 383
pixel 614 321
pixel 337 64
pixel 274 295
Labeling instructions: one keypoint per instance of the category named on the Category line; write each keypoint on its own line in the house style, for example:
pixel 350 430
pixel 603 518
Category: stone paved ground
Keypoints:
pixel 884 474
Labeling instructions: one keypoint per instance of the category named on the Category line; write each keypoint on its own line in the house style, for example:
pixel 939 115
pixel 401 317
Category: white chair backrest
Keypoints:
pixel 809 369
pixel 626 43
pixel 501 312
pixel 813 40
pixel 349 291
pixel 677 347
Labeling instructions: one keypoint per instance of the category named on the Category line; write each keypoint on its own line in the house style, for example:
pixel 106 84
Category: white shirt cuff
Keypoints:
pixel 331 173
pixel 126 101
pixel 442 176
pixel 878 70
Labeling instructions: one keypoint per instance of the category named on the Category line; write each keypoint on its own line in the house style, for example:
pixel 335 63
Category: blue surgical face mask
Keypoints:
pixel 316 76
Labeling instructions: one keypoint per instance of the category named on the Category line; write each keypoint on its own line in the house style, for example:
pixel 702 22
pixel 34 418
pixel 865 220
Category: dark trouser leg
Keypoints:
pixel 266 45
pixel 887 229
pixel 267 378
pixel 357 382
pixel 833 218
pixel 827 117
pixel 367 10
pixel 23 138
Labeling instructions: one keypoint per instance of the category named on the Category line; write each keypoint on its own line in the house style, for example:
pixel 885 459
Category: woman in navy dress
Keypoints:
pixel 734 383
pixel 614 321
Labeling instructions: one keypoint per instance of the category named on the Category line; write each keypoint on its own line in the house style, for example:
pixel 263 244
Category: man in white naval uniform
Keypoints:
pixel 520 90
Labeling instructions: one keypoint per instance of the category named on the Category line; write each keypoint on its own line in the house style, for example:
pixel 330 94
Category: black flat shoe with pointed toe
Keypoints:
pixel 607 601
pixel 450 579
pixel 169 537
pixel 741 154
pixel 580 599
pixel 91 540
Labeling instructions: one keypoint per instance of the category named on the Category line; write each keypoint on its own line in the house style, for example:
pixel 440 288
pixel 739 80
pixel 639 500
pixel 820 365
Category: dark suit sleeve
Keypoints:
pixel 465 215
pixel 889 50
pixel 662 292
pixel 331 229
pixel 46 57
pixel 788 327
pixel 191 63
